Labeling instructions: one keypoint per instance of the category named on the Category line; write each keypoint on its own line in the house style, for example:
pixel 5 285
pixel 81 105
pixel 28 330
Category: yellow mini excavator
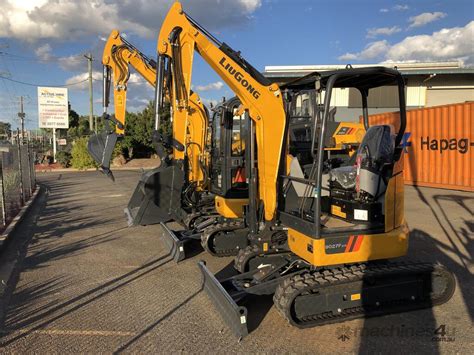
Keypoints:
pixel 344 225
pixel 258 111
pixel 183 188
pixel 322 233
pixel 189 139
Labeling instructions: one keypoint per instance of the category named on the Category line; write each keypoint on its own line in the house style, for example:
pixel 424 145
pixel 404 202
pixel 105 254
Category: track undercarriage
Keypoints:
pixel 217 236
pixel 306 296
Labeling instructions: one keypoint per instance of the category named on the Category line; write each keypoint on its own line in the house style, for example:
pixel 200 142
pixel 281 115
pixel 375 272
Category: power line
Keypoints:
pixel 30 84
pixel 36 59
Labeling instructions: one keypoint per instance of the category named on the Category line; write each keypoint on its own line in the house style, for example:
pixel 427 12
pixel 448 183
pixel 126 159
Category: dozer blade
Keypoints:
pixel 174 245
pixel 234 316
pixel 101 147
pixel 157 196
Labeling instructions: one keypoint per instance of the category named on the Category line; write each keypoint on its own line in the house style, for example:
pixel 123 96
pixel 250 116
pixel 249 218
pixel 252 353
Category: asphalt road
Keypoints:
pixel 88 283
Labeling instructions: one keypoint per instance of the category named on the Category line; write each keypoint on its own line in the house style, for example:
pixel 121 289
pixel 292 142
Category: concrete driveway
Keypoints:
pixel 86 282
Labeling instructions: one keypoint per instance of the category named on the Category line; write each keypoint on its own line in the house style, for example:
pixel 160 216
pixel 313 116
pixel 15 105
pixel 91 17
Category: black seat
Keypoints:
pixel 376 151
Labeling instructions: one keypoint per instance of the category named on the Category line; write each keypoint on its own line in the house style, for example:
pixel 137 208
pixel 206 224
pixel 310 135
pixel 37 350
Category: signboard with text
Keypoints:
pixel 53 110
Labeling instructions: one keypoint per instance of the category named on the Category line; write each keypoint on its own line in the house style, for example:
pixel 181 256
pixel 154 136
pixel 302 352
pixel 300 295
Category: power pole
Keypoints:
pixel 22 115
pixel 91 99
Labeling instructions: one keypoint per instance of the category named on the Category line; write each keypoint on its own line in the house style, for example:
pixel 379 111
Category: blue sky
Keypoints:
pixel 43 41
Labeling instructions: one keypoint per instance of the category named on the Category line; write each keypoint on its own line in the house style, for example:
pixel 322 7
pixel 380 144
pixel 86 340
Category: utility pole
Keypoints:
pixel 22 115
pixel 91 99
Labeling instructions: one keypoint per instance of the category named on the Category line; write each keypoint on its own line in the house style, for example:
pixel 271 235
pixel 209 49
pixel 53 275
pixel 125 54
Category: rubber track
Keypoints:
pixel 206 237
pixel 243 257
pixel 304 284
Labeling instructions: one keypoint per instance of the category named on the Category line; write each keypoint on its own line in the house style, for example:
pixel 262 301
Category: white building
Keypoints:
pixel 428 84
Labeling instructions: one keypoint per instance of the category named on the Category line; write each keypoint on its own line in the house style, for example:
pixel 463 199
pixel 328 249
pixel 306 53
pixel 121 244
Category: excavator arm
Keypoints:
pixel 188 132
pixel 180 36
pixel 117 56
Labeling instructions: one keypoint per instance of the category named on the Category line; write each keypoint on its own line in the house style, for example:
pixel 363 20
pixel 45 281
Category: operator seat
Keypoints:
pixel 376 153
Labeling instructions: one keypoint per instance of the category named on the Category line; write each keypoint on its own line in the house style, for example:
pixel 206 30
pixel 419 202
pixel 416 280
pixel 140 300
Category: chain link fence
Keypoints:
pixel 17 179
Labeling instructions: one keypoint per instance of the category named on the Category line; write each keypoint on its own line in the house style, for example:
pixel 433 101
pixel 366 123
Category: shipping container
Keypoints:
pixel 438 145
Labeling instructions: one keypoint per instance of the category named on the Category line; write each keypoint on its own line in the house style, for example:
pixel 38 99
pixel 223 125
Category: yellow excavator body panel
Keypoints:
pixel 349 249
pixel 347 137
pixel 231 207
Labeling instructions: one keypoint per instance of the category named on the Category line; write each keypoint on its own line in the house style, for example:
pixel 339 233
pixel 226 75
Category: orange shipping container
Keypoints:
pixel 439 145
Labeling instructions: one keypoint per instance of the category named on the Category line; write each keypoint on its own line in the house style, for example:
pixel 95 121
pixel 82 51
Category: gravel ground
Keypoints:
pixel 86 283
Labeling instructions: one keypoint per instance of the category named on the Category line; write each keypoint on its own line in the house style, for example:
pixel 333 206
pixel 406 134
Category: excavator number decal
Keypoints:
pixel 343 244
pixel 239 77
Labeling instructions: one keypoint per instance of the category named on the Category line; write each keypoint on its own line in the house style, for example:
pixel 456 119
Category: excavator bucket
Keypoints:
pixel 234 316
pixel 100 147
pixel 156 197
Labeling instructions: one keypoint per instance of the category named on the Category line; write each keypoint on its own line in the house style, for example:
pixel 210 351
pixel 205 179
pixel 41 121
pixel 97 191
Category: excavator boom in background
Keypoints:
pixel 189 129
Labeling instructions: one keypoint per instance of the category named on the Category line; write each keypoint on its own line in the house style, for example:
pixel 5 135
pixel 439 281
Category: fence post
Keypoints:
pixel 29 167
pixel 19 168
pixel 33 168
pixel 2 191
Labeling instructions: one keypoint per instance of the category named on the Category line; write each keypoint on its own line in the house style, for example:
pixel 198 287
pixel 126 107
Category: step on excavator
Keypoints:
pixel 235 155
pixel 344 225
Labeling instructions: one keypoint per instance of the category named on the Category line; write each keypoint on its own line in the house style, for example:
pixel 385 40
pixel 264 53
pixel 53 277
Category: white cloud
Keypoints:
pixel 447 44
pixel 72 62
pixel 372 50
pixel 65 19
pixel 384 31
pixel 44 52
pixel 400 7
pixel 425 18
pixel 139 92
pixel 212 86
pixel 209 102
pixel 82 80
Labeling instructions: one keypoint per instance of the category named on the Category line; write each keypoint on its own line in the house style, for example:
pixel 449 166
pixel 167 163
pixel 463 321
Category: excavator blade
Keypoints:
pixel 174 245
pixel 234 316
pixel 100 147
pixel 157 196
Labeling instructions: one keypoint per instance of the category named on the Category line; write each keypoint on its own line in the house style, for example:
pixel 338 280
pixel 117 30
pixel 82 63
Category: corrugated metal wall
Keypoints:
pixel 439 143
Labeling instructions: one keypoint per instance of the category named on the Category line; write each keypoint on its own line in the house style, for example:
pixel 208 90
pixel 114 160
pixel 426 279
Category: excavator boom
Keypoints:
pixel 189 128
pixel 179 37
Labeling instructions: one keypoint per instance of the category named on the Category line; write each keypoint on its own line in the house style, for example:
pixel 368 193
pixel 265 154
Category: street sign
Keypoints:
pixel 53 110
pixel 62 141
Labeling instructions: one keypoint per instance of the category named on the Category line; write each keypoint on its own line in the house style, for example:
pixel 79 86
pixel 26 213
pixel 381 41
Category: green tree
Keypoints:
pixel 73 118
pixel 139 129
pixel 5 130
pixel 80 156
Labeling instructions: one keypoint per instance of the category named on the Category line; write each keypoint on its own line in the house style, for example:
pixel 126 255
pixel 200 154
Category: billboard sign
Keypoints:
pixel 53 110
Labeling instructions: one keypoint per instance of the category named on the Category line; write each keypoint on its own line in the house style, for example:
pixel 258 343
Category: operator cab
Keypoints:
pixel 228 151
pixel 338 181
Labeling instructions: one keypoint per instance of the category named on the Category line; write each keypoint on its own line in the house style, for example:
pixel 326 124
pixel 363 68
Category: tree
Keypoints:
pixel 139 129
pixel 73 118
pixel 5 129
